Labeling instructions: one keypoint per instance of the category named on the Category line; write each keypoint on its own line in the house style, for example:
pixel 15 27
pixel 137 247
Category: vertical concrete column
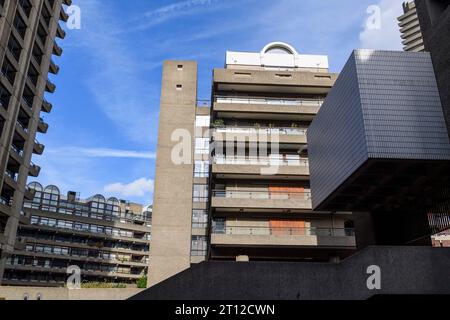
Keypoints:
pixel 172 205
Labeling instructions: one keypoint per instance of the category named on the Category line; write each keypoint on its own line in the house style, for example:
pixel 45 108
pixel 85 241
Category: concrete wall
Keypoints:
pixel 404 270
pixel 18 293
pixel 172 205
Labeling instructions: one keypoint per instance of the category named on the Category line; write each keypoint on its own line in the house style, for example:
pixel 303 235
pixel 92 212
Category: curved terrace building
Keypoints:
pixel 108 239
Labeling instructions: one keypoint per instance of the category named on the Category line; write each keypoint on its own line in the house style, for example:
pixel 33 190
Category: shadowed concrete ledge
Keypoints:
pixel 404 271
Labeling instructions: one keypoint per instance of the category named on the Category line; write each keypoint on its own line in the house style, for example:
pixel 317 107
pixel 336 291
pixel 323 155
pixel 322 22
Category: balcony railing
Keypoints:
pixel 20 124
pixel 269 101
pixel 270 231
pixel 6 201
pixel 12 175
pixel 263 195
pixel 261 161
pixel 249 130
pixel 17 150
pixel 29 104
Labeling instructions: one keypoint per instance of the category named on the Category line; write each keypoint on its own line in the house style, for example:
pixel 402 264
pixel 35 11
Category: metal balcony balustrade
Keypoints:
pixel 17 150
pixel 263 195
pixel 276 160
pixel 24 127
pixel 286 231
pixel 28 103
pixel 5 201
pixel 12 175
pixel 262 130
pixel 269 101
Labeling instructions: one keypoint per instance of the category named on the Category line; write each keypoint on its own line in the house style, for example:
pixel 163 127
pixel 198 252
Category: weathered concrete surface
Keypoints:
pixel 18 293
pixel 404 270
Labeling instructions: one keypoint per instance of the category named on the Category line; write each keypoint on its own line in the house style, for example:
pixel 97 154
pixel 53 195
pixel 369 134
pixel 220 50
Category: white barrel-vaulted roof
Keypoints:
pixel 277 55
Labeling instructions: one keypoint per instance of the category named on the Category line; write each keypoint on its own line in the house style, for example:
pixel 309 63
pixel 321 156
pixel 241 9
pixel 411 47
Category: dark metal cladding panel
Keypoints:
pixel 384 105
pixel 401 106
pixel 336 138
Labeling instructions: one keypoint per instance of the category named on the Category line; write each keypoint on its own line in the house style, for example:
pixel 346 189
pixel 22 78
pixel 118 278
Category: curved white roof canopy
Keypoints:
pixel 276 55
pixel 279 48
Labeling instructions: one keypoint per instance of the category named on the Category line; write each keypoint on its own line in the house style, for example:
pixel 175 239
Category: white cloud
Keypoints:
pixel 102 153
pixel 386 37
pixel 175 10
pixel 138 188
pixel 178 7
pixel 116 80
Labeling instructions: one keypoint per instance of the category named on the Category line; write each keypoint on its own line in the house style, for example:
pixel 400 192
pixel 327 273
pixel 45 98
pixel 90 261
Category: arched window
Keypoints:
pixel 52 190
pixel 36 186
pixel 51 197
pixel 98 205
pixel 113 206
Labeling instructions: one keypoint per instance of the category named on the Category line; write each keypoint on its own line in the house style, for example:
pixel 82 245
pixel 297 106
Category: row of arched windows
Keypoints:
pixel 53 190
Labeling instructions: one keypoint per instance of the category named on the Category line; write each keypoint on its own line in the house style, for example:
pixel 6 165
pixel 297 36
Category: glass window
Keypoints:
pixel 199 246
pixel 199 219
pixel 200 193
pixel 202 121
pixel 201 169
pixel 202 145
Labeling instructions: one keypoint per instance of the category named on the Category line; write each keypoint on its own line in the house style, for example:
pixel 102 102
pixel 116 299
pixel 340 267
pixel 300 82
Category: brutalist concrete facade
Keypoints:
pixel 28 29
pixel 402 270
pixel 384 108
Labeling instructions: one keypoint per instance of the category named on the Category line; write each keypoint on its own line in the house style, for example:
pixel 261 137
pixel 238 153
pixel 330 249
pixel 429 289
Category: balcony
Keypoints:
pixel 229 200
pixel 46 106
pixel 34 170
pixel 63 16
pixel 42 126
pixel 50 87
pixel 266 108
pixel 11 178
pixel 17 151
pixel 5 202
pixel 60 33
pixel 259 81
pixel 54 69
pixel 289 167
pixel 285 135
pixel 57 50
pixel 38 148
pixel 22 129
pixel 268 236
pixel 28 102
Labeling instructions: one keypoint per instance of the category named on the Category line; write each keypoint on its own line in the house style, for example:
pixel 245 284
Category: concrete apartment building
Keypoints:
pixel 224 204
pixel 108 239
pixel 378 147
pixel 410 30
pixel 28 29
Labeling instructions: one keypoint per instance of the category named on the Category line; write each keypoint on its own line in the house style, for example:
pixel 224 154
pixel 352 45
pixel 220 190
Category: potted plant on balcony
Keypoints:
pixel 219 123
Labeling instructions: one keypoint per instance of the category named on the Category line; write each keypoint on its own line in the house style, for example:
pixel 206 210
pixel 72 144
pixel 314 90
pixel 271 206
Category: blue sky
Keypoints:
pixel 103 127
